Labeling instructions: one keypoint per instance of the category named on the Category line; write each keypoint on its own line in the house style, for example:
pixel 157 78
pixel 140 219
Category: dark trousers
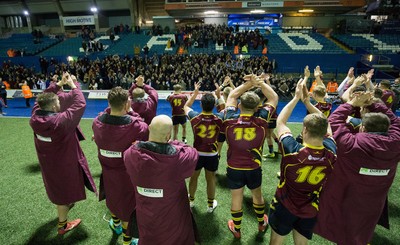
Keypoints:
pixel 4 97
pixel 27 102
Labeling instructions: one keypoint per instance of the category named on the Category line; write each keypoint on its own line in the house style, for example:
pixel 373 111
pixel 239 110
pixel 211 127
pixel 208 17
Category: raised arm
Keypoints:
pixel 317 75
pixel 283 117
pixel 270 94
pixel 350 75
pixel 237 92
pixel 187 108
pixel 357 82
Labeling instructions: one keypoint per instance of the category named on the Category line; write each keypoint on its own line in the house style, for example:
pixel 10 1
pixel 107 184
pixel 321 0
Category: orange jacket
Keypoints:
pixel 236 49
pixel 314 84
pixel 332 87
pixel 7 84
pixel 265 50
pixel 26 91
pixel 181 50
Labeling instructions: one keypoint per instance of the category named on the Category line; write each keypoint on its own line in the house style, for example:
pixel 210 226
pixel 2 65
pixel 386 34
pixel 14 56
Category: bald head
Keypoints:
pixel 160 129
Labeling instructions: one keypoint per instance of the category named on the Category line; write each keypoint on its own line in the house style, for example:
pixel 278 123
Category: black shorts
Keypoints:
pixel 209 163
pixel 283 222
pixel 178 120
pixel 239 178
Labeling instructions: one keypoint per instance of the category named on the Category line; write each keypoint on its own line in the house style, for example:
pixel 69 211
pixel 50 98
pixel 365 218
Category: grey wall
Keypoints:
pixel 215 20
pixel 164 21
pixel 117 20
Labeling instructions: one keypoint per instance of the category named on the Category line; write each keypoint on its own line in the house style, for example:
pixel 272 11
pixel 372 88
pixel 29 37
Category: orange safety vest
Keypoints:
pixel 236 49
pixel 27 91
pixel 332 87
pixel 180 50
pixel 7 84
pixel 265 50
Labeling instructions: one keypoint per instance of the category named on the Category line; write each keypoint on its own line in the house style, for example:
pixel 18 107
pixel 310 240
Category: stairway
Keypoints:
pixel 344 47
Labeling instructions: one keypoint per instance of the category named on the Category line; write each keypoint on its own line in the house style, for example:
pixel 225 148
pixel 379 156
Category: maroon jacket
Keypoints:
pixel 146 108
pixel 64 167
pixel 355 193
pixel 66 100
pixel 113 135
pixel 162 205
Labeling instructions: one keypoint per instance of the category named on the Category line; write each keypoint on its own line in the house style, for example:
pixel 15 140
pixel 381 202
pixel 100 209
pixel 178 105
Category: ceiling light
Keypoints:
pixel 26 12
pixel 211 12
pixel 93 9
pixel 257 11
pixel 149 22
pixel 306 10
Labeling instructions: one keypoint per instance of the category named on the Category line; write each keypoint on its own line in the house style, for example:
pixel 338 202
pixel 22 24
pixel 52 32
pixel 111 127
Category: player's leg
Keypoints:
pixel 115 224
pixel 270 143
pixel 210 179
pixel 299 239
pixel 63 225
pixel 175 130
pixel 254 178
pixel 236 182
pixel 211 167
pixel 276 239
pixel 184 132
pixel 236 211
pixel 126 237
pixel 193 186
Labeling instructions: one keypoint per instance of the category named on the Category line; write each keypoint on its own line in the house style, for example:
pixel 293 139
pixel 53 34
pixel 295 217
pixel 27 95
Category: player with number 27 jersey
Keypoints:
pixel 304 170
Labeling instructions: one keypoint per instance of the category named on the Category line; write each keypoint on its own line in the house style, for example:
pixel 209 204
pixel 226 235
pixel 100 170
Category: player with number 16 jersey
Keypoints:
pixel 303 172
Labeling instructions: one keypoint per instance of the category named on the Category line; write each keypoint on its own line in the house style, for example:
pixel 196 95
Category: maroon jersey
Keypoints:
pixel 62 162
pixel 113 135
pixel 355 195
pixel 245 135
pixel 304 170
pixel 324 107
pixel 206 128
pixel 177 102
pixel 146 108
pixel 158 173
pixel 388 98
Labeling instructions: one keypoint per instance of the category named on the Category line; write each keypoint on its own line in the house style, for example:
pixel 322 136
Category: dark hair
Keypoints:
pixel 249 100
pixel 316 124
pixel 360 89
pixel 46 100
pixel 260 94
pixel 378 93
pixel 117 97
pixel 376 122
pixel 207 102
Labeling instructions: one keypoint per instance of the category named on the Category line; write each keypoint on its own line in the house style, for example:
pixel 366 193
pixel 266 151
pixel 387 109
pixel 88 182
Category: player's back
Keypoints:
pixel 177 102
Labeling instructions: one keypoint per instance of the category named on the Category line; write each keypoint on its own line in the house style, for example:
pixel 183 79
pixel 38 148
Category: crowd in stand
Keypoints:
pixel 203 35
pixel 161 72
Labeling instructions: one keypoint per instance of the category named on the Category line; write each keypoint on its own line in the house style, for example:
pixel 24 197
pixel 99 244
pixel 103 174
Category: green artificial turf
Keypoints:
pixel 28 217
